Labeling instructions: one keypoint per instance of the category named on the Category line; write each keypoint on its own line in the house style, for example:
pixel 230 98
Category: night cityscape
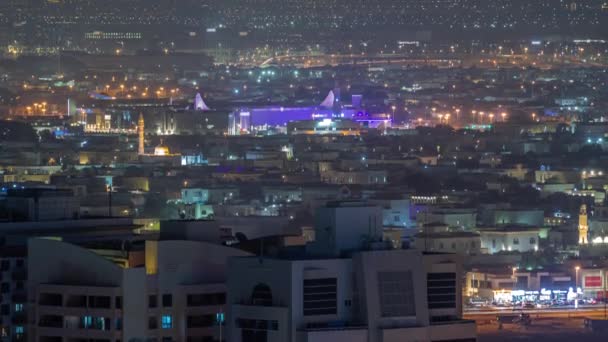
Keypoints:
pixel 303 170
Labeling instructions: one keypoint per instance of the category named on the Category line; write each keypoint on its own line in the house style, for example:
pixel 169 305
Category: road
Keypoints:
pixel 541 330
pixel 595 311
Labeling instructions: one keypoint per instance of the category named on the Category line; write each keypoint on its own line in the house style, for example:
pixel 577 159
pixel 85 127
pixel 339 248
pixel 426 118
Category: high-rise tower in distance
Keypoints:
pixel 140 132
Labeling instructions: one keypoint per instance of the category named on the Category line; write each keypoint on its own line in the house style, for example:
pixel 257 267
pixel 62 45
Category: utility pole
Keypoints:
pixel 109 200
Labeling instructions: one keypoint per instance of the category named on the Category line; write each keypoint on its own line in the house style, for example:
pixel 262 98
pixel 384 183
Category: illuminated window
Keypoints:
pixel 87 322
pixel 166 322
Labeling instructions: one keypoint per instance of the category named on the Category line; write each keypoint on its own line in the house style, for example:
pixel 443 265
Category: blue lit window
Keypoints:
pixel 166 322
pixel 18 307
pixel 87 322
pixel 19 329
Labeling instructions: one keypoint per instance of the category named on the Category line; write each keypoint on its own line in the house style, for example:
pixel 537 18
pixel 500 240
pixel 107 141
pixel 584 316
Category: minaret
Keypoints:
pixel 583 227
pixel 140 132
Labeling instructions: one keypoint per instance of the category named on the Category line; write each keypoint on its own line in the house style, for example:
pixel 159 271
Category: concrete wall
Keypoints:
pixel 345 228
pixel 350 335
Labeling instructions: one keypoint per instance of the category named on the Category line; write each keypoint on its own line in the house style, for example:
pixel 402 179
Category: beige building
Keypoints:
pixel 177 294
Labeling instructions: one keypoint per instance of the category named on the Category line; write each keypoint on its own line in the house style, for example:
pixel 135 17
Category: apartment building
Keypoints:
pixel 375 296
pixel 176 294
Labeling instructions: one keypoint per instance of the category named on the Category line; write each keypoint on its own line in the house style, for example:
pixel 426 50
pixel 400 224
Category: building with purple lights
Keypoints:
pixel 246 120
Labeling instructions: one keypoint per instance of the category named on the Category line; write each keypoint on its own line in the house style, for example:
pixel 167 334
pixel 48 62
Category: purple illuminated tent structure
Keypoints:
pixel 199 104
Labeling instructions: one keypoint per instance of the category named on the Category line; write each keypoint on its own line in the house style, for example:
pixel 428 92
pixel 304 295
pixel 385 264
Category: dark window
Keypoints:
pixel 532 241
pixel 441 290
pixel 167 300
pixel 5 287
pixel 200 321
pixel 396 292
pixel 51 299
pixel 206 299
pixel 152 323
pixel 261 295
pixel 254 335
pixel 152 301
pixel 256 324
pixel 5 265
pixel 19 263
pixel 5 309
pixel 76 301
pixel 51 321
pixel 320 296
pixel 100 302
pixel 118 302
pixel 516 241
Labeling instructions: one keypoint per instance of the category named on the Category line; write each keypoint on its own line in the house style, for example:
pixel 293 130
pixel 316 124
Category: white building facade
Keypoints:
pixel 376 296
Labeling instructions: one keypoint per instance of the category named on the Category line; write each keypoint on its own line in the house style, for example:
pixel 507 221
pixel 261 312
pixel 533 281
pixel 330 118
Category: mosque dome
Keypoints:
pixel 161 150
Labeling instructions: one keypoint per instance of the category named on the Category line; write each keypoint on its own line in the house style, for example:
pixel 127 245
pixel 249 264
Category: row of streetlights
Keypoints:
pixel 490 115
pixel 37 108
pixel 145 92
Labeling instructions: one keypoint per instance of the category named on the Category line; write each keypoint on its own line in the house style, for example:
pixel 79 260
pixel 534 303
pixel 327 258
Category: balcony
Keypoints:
pixel 19 319
pixel 344 333
pixel 19 338
pixel 51 321
pixel 50 299
pixel 335 325
pixel 19 298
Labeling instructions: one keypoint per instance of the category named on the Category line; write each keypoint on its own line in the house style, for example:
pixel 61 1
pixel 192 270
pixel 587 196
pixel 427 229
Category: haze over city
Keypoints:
pixel 303 170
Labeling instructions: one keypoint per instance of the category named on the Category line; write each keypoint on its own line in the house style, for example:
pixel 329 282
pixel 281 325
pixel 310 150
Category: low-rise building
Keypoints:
pixel 464 243
pixel 510 238
pixel 396 295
